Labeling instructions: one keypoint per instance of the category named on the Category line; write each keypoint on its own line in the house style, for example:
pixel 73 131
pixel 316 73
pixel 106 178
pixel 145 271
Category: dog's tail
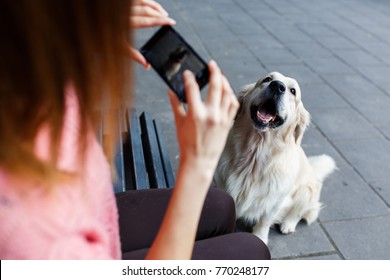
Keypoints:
pixel 323 165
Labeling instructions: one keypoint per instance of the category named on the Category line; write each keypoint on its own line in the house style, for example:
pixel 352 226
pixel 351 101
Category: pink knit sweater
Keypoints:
pixel 74 221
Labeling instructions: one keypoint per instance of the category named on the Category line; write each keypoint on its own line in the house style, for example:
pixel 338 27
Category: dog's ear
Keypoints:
pixel 241 95
pixel 303 121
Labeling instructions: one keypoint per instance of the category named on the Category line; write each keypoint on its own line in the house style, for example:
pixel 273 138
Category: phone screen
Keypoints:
pixel 169 54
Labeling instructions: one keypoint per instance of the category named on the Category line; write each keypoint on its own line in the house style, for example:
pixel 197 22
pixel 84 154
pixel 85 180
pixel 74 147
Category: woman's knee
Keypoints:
pixel 218 214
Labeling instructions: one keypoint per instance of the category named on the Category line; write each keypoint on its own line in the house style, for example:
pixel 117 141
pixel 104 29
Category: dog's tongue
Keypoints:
pixel 264 116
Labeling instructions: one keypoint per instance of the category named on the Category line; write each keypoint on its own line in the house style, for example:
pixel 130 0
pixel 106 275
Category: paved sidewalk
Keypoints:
pixel 339 51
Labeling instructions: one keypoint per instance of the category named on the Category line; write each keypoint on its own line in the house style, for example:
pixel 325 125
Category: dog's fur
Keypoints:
pixel 264 167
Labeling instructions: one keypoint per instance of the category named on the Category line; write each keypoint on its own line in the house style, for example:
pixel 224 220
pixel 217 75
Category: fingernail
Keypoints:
pixel 172 21
pixel 187 73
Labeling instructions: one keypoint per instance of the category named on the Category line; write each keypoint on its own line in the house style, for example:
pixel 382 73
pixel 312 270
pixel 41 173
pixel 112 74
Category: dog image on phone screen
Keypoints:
pixel 263 166
pixel 174 62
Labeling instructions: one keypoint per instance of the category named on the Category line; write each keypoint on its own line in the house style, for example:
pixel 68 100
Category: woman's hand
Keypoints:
pixel 203 129
pixel 146 13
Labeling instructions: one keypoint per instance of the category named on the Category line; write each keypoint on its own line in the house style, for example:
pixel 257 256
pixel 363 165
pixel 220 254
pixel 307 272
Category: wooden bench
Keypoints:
pixel 141 159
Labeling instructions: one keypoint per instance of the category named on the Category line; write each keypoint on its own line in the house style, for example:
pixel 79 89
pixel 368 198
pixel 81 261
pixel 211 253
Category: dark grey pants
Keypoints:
pixel 141 213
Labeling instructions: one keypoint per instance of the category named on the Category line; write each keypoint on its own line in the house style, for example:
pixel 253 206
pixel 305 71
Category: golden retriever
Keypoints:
pixel 263 166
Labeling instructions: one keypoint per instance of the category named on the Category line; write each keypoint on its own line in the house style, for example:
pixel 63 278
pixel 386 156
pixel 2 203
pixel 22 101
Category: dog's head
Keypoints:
pixel 274 104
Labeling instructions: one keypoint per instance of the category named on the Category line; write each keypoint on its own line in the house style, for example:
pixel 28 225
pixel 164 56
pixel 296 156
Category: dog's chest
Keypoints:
pixel 261 181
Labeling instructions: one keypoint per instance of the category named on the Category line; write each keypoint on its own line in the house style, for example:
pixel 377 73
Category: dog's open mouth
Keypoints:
pixel 265 115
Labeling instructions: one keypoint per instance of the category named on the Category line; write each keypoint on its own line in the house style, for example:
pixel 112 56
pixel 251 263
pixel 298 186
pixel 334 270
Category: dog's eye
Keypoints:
pixel 267 80
pixel 293 91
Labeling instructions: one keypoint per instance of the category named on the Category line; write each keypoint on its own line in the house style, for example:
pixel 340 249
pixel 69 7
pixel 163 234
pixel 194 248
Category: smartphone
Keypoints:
pixel 169 54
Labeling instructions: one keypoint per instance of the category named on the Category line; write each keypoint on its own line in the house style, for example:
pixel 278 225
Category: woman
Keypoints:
pixel 59 61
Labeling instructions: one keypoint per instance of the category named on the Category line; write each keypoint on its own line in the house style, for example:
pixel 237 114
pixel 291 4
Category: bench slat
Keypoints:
pixel 152 152
pixel 169 178
pixel 134 154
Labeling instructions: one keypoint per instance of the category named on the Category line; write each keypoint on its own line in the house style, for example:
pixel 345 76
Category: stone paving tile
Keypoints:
pixel 365 239
pixel 304 241
pixel 318 30
pixel 363 95
pixel 321 95
pixel 370 157
pixel 378 75
pixel 285 8
pixel 309 50
pixel 315 143
pixel 330 257
pixel 346 196
pixel 259 9
pixel 328 65
pixel 239 22
pixel 218 50
pixel 385 129
pixel 378 48
pixel 357 35
pixel 269 57
pixel 288 34
pixel 209 29
pixel 242 71
pixel 383 33
pixel 383 190
pixel 336 43
pixel 299 72
pixel 238 27
pixel 358 58
pixel 362 20
pixel 261 42
pixel 343 124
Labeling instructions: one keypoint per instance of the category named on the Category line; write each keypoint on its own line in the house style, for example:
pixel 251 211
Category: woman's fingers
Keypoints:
pixel 145 14
pixel 215 87
pixel 153 4
pixel 192 92
pixel 137 57
pixel 143 21
pixel 226 98
pixel 229 100
pixel 146 11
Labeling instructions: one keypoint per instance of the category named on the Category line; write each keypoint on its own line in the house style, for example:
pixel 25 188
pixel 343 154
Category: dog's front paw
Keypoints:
pixel 288 227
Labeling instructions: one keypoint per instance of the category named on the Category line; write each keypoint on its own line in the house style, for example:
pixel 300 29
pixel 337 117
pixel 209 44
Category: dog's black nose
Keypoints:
pixel 277 87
